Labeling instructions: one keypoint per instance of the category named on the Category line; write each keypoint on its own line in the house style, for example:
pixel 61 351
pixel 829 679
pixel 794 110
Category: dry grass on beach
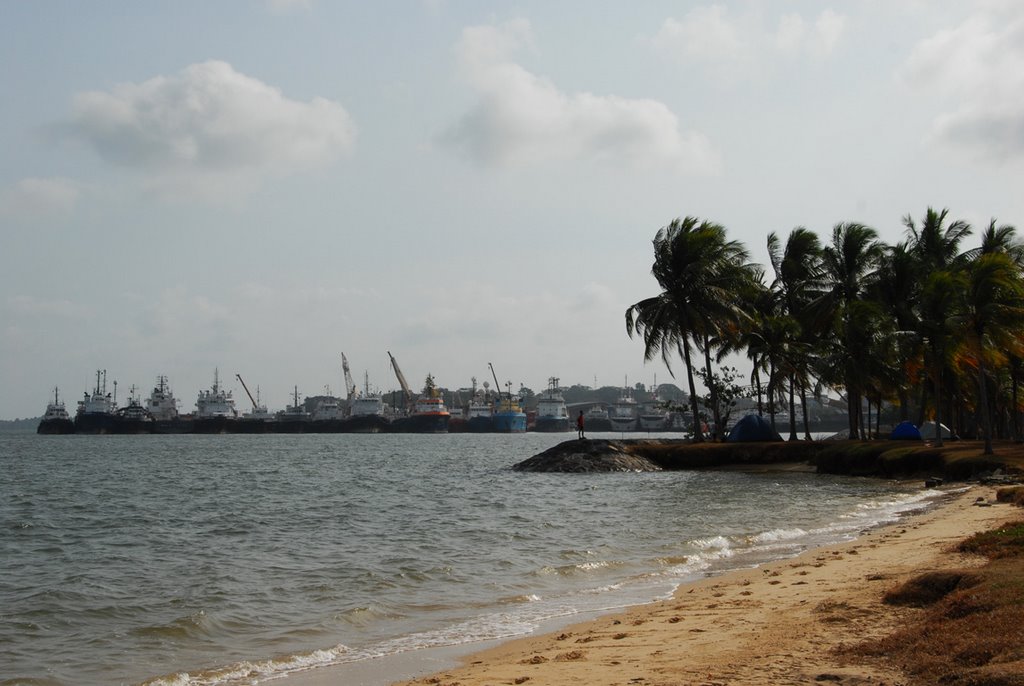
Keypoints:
pixel 971 628
pixel 954 615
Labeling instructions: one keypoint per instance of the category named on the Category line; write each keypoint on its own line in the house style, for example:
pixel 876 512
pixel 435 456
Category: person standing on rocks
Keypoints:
pixel 579 425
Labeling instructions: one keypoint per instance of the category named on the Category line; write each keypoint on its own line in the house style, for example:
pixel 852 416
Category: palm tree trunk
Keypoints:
pixel 792 411
pixel 986 417
pixel 878 418
pixel 923 408
pixel 715 410
pixel 803 403
pixel 865 432
pixel 853 409
pixel 698 435
pixel 1014 368
pixel 756 378
pixel 938 404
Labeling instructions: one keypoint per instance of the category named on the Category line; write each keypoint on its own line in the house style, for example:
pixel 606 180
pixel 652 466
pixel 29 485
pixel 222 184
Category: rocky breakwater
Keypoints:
pixel 589 455
pixel 651 455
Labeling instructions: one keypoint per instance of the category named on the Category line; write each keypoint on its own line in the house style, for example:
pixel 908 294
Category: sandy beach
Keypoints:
pixel 775 624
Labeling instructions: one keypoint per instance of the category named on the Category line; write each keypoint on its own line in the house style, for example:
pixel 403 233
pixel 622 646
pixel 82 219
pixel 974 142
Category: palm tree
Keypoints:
pixel 1000 238
pixel 758 302
pixel 992 317
pixel 938 305
pixel 700 273
pixel 850 262
pixel 935 246
pixel 798 282
pixel 897 290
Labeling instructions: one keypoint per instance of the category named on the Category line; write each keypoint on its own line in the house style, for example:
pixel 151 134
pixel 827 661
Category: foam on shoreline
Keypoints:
pixel 778 590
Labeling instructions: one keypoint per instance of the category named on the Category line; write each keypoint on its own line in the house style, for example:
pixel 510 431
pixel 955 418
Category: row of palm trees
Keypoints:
pixel 923 325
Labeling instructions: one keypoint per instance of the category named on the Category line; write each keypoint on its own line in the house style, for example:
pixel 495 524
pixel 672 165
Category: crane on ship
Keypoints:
pixel 350 386
pixel 255 405
pixel 497 386
pixel 407 395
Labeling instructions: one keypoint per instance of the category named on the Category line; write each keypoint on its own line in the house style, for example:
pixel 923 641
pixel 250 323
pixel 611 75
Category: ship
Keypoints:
pixel 133 418
pixel 328 416
pixel 480 415
pixel 215 410
pixel 596 419
pixel 294 419
pixel 509 417
pixel 56 421
pixel 655 416
pixel 163 407
pixel 367 413
pixel 96 411
pixel 623 415
pixel 258 420
pixel 428 414
pixel 552 415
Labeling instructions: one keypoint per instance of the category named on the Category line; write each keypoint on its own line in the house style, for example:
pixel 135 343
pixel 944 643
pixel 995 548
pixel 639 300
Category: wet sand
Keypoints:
pixel 775 624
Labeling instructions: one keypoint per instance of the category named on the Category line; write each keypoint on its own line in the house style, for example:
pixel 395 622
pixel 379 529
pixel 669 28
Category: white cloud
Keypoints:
pixel 32 306
pixel 977 69
pixel 210 129
pixel 705 33
pixel 39 197
pixel 737 45
pixel 524 118
pixel 828 31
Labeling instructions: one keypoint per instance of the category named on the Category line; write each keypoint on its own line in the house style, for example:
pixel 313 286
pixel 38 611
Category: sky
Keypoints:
pixel 258 187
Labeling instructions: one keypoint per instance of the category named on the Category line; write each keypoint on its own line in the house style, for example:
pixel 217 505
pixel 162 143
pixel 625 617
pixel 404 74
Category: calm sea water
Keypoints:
pixel 237 559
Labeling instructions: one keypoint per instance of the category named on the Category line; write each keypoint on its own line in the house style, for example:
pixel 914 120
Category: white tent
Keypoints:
pixel 928 431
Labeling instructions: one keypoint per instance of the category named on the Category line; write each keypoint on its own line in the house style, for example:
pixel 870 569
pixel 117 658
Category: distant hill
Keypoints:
pixel 19 425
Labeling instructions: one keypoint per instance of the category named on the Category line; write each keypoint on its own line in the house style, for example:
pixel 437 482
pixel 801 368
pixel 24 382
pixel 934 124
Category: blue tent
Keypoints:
pixel 905 431
pixel 751 429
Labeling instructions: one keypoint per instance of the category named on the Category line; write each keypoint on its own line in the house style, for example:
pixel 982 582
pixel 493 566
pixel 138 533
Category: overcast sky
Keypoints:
pixel 261 186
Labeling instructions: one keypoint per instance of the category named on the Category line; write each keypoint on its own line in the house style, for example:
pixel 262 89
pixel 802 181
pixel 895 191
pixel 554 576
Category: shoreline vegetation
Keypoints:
pixel 920 329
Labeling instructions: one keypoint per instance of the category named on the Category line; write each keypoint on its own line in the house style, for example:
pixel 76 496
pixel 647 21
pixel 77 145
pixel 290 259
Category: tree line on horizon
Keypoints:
pixel 925 325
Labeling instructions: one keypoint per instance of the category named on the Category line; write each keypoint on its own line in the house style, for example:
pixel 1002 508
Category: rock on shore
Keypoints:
pixel 588 455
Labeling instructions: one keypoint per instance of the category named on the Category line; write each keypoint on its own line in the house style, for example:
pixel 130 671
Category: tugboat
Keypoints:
pixel 95 413
pixel 552 415
pixel 215 410
pixel 56 421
